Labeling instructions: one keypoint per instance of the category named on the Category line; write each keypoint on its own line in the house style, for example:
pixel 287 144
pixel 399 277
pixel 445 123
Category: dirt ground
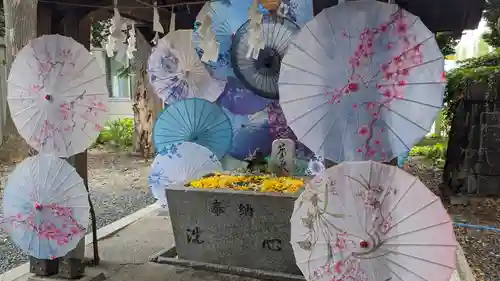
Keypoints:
pixel 482 248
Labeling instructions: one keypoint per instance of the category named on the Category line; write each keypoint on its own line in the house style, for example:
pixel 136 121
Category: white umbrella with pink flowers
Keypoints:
pixel 45 207
pixel 362 81
pixel 366 221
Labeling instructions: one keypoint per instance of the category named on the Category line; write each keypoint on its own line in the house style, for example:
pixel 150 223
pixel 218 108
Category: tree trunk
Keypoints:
pixel 20 28
pixel 146 105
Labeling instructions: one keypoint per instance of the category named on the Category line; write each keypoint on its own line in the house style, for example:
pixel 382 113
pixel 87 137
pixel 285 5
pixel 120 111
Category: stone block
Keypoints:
pixel 488 185
pixel 488 164
pixel 235 228
pixel 43 267
pixel 490 118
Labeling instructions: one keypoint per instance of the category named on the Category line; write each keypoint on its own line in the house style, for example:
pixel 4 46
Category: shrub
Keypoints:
pixel 117 133
pixel 436 152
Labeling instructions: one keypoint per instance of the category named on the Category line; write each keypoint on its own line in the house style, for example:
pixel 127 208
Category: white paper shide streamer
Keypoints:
pixel 172 21
pixel 255 37
pixel 209 44
pixel 157 27
pixel 116 36
pixel 131 41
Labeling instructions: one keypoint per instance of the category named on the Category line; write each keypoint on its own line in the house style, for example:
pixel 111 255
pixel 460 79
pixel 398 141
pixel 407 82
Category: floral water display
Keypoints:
pixel 248 182
pixel 366 221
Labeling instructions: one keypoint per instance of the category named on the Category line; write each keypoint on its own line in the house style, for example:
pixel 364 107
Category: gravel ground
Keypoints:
pixel 118 185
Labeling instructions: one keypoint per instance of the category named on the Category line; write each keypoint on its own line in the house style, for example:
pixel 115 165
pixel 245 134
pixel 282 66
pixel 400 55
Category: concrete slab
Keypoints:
pixel 136 242
pixel 156 272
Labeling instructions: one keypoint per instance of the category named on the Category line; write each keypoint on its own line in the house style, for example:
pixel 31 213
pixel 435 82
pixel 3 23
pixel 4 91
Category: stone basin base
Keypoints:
pixel 234 228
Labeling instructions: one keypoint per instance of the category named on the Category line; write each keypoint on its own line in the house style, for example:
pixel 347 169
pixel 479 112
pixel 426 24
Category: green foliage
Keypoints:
pixel 125 71
pixel 99 33
pixel 484 69
pixel 491 15
pixel 117 133
pixel 447 43
pixel 431 148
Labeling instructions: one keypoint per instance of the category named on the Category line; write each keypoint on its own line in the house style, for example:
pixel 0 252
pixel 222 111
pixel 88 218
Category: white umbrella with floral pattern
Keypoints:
pixel 57 95
pixel 366 221
pixel 362 81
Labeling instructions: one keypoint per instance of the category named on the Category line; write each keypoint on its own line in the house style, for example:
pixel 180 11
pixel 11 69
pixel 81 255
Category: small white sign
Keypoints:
pixel 282 160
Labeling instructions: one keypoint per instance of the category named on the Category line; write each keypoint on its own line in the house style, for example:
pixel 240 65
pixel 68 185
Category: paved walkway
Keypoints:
pixel 126 253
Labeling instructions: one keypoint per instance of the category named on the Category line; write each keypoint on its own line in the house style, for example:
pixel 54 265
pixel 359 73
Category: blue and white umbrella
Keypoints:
pixel 178 163
pixel 227 17
pixel 193 120
pixel 45 207
pixel 176 72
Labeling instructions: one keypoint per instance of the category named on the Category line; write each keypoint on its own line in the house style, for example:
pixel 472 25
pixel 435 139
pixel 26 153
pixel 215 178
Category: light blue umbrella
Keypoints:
pixel 193 120
pixel 227 17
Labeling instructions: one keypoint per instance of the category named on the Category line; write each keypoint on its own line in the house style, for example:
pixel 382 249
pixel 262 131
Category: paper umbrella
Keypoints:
pixel 57 95
pixel 193 120
pixel 260 73
pixel 179 163
pixel 176 72
pixel 362 81
pixel 45 207
pixel 369 221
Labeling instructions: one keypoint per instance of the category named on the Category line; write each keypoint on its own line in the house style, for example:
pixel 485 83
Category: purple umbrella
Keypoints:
pixel 279 129
pixel 240 100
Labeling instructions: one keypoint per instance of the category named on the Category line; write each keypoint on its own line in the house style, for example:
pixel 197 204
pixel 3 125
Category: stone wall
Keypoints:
pixel 473 157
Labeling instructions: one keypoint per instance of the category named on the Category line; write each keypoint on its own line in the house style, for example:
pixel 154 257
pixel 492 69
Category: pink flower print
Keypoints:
pixel 52 258
pixel 44 67
pixel 383 27
pixel 402 83
pixel 66 54
pixel 338 267
pixel 75 230
pixel 353 87
pixel 377 142
pixel 62 240
pixel 36 88
pixel 376 115
pixel 402 27
pixel 386 225
pixel 389 46
pixel 360 149
pixel 341 241
pixel 363 130
pixel 372 153
pixel 370 105
pixel 369 198
pixel 354 106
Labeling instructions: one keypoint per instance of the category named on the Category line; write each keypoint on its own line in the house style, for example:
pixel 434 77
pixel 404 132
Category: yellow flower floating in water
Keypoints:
pixel 262 183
